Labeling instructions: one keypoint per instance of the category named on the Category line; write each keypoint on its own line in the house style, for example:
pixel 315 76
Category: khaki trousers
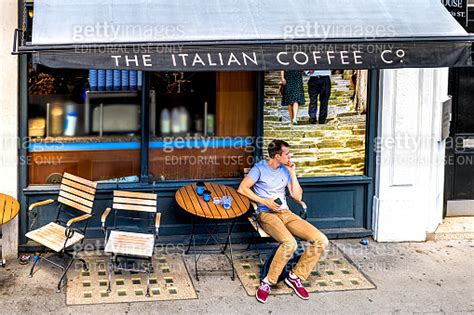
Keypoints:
pixel 282 226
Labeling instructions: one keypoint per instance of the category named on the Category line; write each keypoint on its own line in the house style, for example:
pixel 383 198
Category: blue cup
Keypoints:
pixel 117 80
pixel 124 77
pixel 206 195
pixel 109 79
pixel 200 188
pixel 133 80
pixel 101 79
pixel 93 83
pixel 139 80
pixel 226 202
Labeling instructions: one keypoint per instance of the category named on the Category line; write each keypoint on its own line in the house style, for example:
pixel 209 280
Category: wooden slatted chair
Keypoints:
pixel 254 221
pixel 256 226
pixel 75 205
pixel 128 244
pixel 260 232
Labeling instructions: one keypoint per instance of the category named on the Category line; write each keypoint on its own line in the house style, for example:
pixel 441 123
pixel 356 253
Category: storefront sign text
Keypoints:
pixel 267 57
pixel 250 60
pixel 458 9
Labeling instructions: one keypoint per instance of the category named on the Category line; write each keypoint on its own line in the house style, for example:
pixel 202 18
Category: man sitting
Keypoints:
pixel 265 183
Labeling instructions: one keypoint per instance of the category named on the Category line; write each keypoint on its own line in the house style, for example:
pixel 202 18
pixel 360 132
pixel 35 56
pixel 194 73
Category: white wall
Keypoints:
pixel 8 119
pixel 8 99
pixel 408 202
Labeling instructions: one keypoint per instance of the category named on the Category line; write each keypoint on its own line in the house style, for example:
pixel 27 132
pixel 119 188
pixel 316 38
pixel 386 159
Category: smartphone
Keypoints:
pixel 278 201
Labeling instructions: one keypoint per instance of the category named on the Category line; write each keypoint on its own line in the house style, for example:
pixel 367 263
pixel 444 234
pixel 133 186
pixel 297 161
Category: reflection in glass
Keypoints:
pixel 332 145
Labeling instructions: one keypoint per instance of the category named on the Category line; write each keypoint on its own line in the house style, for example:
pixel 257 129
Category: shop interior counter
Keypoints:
pixel 173 158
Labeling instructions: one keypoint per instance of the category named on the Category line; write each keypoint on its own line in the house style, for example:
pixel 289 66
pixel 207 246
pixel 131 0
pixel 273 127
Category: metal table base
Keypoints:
pixel 211 229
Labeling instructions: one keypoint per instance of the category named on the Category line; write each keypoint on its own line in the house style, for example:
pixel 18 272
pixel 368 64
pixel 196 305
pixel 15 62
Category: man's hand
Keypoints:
pixel 271 204
pixel 294 186
pixel 291 167
pixel 283 81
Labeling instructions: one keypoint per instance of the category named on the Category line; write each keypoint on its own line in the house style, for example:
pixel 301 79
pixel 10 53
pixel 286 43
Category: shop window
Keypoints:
pixel 333 147
pixel 202 124
pixel 470 17
pixel 85 122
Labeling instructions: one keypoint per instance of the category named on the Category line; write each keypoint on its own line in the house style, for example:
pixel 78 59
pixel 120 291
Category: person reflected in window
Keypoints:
pixel 319 85
pixel 293 93
pixel 266 184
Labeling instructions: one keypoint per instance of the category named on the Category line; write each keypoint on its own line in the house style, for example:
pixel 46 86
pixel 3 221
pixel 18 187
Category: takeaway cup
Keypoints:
pixel 206 195
pixel 200 188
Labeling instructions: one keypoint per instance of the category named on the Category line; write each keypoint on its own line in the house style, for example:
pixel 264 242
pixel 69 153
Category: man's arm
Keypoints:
pixel 294 186
pixel 245 189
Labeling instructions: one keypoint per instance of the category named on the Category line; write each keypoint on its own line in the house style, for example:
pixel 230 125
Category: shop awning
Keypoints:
pixel 235 35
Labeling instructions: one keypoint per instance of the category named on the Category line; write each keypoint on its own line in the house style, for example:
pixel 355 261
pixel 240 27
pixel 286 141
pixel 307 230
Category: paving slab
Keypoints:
pixel 435 277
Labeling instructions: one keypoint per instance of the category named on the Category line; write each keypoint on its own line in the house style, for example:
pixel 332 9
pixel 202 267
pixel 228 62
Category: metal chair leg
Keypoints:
pixel 110 267
pixel 148 281
pixel 253 242
pixel 63 275
pixel 259 253
pixel 191 239
pixel 85 266
pixel 195 259
pixel 229 243
pixel 229 231
pixel 248 247
pixel 35 261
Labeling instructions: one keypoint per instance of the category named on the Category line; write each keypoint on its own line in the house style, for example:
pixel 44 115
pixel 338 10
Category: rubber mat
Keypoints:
pixel 169 281
pixel 334 272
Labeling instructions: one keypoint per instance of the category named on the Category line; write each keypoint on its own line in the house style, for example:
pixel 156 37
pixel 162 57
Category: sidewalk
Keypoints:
pixel 431 277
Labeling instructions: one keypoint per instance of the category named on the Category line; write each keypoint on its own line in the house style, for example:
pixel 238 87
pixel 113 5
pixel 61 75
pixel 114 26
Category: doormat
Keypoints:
pixel 169 281
pixel 335 272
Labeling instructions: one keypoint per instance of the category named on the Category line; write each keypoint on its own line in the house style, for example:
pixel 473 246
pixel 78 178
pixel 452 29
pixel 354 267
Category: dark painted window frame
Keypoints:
pixel 144 184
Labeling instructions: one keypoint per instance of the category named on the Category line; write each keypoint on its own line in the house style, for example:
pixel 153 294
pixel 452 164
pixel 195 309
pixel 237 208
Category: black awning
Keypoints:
pixel 229 35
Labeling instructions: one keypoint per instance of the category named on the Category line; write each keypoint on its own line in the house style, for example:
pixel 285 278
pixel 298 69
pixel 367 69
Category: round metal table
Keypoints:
pixel 9 208
pixel 194 204
pixel 190 201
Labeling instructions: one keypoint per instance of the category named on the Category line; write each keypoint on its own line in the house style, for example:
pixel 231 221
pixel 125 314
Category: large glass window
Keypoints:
pixel 85 122
pixel 322 145
pixel 203 124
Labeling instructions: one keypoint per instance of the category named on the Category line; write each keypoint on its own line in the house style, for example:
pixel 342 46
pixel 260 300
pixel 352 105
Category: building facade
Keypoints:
pixel 9 164
pixel 408 203
pixel 394 192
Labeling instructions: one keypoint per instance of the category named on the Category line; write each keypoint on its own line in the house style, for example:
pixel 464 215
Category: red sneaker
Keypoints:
pixel 296 285
pixel 263 292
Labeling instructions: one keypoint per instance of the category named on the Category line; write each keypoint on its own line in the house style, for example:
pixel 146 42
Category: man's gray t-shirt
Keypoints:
pixel 270 183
